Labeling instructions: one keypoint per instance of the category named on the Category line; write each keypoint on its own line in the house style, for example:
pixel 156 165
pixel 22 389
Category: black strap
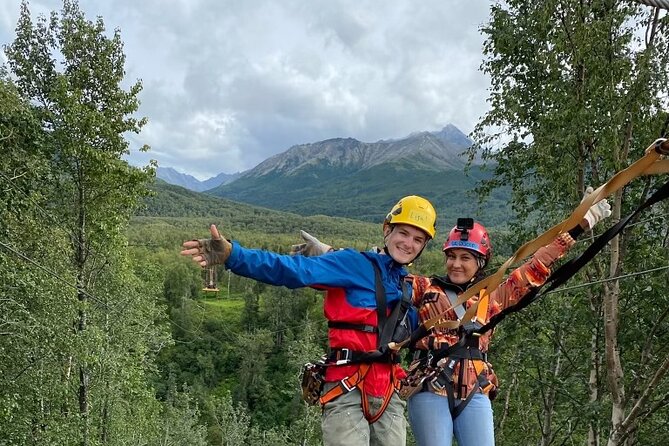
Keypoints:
pixel 345 356
pixel 381 302
pixel 459 350
pixel 386 324
pixel 360 327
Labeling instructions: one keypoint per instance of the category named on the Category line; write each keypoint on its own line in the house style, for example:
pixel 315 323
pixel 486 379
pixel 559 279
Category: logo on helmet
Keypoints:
pixel 418 217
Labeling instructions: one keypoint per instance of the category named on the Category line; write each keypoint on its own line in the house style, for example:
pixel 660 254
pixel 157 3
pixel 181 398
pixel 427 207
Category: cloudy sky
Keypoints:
pixel 229 83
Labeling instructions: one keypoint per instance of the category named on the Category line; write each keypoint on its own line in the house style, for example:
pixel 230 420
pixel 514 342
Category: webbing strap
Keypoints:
pixel 394 384
pixel 347 326
pixel 345 385
pixel 483 383
pixel 482 310
pixel 381 303
pixel 569 269
pixel 456 406
pixel 453 298
pixel 649 164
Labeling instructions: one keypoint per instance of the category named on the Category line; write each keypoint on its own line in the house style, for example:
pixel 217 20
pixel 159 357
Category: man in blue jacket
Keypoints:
pixel 360 402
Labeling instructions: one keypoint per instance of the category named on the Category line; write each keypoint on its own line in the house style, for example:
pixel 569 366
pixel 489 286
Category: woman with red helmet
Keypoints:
pixel 457 403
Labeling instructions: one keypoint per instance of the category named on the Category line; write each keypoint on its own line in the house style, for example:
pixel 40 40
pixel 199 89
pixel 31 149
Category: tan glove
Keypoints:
pixel 208 251
pixel 311 248
pixel 598 211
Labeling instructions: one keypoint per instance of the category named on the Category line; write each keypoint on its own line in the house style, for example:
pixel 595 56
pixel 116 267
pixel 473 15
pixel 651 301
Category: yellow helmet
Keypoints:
pixel 414 211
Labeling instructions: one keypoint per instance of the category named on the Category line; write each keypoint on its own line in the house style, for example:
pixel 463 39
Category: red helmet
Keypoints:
pixel 468 234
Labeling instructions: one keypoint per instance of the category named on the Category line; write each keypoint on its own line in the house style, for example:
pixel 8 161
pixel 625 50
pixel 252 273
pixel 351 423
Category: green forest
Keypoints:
pixel 107 338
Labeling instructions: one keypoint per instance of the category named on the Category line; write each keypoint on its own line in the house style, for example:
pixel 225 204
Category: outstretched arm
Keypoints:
pixel 536 270
pixel 343 269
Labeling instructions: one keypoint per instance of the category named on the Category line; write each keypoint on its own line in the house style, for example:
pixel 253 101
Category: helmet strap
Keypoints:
pixel 481 261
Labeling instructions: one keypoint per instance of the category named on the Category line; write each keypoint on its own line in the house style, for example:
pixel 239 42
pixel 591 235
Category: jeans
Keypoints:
pixel 432 425
pixel 343 423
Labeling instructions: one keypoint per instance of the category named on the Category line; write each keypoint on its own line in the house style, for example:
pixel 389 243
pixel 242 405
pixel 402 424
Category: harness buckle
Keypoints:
pixel 345 385
pixel 343 356
pixel 471 328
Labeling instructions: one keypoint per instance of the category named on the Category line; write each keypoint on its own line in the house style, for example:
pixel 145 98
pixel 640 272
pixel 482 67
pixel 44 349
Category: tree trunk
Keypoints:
pixel 593 381
pixel 84 376
pixel 612 353
pixel 507 401
pixel 549 398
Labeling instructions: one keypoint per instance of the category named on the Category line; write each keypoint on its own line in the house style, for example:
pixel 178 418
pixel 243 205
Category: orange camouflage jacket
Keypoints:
pixel 430 300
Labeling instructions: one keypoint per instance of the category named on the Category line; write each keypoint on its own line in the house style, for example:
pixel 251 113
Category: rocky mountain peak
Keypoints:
pixel 432 150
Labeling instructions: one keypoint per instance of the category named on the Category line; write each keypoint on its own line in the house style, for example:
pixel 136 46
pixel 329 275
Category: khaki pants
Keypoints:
pixel 344 424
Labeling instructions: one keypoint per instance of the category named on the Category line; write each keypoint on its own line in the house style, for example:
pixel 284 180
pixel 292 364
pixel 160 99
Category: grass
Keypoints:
pixel 224 308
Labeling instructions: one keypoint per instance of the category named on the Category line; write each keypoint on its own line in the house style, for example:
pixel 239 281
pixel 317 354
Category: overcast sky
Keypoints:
pixel 227 83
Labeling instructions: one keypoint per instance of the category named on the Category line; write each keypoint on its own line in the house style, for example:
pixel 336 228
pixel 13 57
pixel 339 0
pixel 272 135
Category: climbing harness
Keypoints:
pixel 436 368
pixel 390 328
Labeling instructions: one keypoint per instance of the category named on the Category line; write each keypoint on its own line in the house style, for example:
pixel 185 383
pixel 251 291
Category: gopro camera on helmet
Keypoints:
pixel 464 225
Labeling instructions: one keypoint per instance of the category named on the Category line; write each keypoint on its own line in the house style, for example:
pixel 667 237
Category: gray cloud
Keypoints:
pixel 228 84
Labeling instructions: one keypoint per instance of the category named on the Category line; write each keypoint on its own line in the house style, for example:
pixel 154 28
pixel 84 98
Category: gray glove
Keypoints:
pixel 597 211
pixel 208 251
pixel 215 252
pixel 312 246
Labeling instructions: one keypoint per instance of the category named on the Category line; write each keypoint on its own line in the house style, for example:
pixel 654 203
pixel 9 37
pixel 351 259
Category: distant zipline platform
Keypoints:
pixel 210 280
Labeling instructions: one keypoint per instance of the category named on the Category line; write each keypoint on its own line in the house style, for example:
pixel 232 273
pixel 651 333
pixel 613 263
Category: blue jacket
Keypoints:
pixel 349 279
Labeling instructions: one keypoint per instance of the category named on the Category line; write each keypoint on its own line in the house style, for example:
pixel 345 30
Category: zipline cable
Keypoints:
pixel 624 276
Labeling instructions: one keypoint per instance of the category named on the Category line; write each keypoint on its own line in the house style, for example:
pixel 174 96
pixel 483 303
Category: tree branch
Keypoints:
pixel 629 422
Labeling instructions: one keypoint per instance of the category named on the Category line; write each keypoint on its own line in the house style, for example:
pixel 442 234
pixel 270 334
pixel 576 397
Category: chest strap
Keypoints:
pixel 349 326
pixel 453 299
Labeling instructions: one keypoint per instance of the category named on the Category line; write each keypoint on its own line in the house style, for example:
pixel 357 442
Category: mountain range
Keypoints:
pixel 172 176
pixel 441 149
pixel 345 177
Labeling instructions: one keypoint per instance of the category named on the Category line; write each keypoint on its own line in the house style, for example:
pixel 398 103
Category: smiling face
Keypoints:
pixel 461 265
pixel 404 242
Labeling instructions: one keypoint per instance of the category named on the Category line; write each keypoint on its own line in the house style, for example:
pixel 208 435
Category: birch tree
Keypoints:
pixel 578 92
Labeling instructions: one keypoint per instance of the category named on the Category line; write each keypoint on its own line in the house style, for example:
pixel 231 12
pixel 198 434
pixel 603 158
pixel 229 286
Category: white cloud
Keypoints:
pixel 228 84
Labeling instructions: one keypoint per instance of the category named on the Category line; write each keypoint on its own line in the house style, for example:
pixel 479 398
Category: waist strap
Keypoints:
pixel 343 356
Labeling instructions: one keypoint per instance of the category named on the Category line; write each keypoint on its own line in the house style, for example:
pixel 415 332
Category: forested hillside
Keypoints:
pixel 106 337
pixel 173 201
